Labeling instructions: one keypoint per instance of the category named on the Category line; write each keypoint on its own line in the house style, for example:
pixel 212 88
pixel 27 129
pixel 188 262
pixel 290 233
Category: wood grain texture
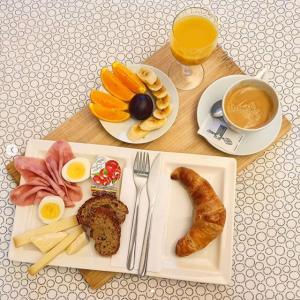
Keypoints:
pixel 96 279
pixel 182 137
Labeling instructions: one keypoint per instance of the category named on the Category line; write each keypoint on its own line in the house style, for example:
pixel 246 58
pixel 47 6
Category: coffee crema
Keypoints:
pixel 249 107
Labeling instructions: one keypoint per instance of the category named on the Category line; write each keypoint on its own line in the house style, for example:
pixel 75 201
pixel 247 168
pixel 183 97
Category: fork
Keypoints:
pixel 141 170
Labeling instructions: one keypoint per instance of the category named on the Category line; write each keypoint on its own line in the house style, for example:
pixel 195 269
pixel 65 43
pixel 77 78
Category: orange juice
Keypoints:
pixel 193 39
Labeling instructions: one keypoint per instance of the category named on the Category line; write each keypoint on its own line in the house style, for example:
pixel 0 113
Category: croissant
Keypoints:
pixel 209 212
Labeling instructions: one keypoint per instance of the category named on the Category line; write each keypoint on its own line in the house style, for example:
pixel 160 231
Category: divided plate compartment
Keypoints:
pixel 213 263
pixel 26 217
pixel 172 217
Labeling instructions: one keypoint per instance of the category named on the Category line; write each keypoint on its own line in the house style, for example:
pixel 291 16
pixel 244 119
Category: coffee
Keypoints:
pixel 249 107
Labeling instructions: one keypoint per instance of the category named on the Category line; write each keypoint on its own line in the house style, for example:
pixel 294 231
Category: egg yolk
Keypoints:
pixel 50 211
pixel 75 170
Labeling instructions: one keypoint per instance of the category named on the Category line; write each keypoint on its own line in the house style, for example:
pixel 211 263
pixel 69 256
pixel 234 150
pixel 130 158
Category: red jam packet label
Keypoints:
pixel 106 176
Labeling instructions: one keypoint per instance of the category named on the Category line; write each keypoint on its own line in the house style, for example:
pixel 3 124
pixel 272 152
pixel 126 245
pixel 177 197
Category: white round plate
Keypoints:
pixel 120 130
pixel 252 142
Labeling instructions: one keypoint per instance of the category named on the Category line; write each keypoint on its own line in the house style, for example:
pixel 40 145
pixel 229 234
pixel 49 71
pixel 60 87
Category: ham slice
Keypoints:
pixel 43 177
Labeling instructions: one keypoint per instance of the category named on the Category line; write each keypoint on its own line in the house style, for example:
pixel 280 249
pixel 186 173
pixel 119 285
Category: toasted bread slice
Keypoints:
pixel 105 230
pixel 107 200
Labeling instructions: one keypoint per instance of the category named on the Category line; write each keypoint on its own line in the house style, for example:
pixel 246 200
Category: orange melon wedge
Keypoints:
pixel 128 77
pixel 115 86
pixel 108 114
pixel 107 100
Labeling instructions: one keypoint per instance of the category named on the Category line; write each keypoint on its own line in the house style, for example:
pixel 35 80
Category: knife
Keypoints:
pixel 152 191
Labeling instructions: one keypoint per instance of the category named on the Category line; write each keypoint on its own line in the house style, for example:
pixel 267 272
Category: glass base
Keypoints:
pixel 186 77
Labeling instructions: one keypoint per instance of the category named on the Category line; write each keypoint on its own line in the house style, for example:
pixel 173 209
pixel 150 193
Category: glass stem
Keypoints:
pixel 186 70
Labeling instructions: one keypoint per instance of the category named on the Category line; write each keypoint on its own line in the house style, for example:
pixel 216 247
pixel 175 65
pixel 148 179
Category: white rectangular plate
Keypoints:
pixel 171 220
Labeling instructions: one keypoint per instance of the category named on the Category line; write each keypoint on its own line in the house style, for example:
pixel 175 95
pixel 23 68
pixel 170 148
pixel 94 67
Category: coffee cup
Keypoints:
pixel 250 105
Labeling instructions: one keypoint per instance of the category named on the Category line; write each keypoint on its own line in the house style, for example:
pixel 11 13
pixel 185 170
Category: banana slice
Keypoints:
pixel 156 86
pixel 161 93
pixel 162 113
pixel 147 75
pixel 135 132
pixel 163 103
pixel 152 124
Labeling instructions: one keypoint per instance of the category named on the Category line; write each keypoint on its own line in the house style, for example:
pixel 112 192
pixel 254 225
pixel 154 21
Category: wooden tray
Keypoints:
pixel 182 137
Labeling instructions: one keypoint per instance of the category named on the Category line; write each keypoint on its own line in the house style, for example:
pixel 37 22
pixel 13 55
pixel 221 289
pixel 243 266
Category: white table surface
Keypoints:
pixel 50 52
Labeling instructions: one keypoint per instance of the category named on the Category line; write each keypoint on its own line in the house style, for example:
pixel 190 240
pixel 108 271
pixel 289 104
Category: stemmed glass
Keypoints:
pixel 193 38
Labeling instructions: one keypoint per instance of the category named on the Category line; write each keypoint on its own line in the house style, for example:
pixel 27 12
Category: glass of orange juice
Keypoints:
pixel 193 38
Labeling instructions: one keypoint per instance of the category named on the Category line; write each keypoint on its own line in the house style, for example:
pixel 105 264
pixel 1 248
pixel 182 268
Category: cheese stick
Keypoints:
pixel 47 241
pixel 60 247
pixel 63 224
pixel 79 243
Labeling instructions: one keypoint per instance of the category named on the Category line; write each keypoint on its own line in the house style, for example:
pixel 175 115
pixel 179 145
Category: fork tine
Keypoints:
pixel 148 164
pixel 136 162
pixel 142 162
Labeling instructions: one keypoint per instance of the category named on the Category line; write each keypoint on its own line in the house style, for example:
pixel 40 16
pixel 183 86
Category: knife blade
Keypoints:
pixel 153 180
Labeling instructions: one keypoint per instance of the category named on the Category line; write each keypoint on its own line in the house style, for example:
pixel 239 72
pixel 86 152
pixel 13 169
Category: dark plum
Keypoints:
pixel 141 106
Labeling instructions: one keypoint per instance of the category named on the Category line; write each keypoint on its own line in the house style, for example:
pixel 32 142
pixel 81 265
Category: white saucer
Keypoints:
pixel 252 142
pixel 120 130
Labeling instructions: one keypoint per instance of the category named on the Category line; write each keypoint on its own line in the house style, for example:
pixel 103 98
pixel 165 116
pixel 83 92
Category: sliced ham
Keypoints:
pixel 43 177
pixel 27 194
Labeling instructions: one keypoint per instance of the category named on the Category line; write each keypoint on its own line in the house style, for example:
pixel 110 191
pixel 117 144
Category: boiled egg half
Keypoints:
pixel 51 209
pixel 76 170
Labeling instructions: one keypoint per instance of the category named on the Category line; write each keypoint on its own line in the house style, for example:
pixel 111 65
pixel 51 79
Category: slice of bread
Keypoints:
pixel 107 200
pixel 105 230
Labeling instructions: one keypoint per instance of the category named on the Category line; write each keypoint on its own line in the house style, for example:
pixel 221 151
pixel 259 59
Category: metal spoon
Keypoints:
pixel 216 110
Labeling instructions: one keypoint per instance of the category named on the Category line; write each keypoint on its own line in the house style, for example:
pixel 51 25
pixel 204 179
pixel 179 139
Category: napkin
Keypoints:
pixel 158 225
pixel 218 133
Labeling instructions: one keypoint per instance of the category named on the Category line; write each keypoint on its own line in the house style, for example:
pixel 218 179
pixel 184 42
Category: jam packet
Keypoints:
pixel 106 176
